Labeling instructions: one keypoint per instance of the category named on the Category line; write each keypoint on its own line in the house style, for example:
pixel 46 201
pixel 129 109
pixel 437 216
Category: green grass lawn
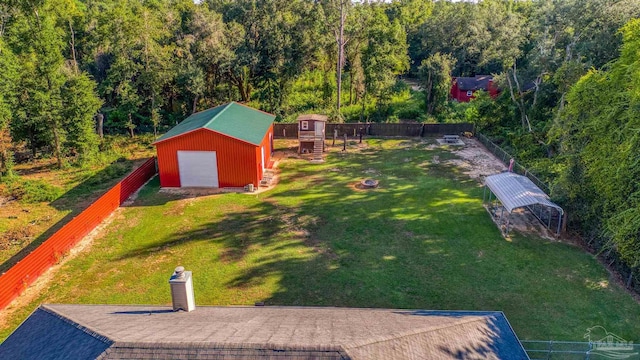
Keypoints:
pixel 421 241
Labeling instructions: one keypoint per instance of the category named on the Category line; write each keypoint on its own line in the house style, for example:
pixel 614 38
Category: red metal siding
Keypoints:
pixel 457 94
pixel 237 162
pixel 27 270
pixel 493 90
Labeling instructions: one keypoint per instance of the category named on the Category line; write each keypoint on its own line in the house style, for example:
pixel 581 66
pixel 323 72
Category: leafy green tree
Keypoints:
pixel 384 55
pixel 39 47
pixel 598 133
pixel 452 28
pixel 8 78
pixel 118 50
pixel 80 103
pixel 435 79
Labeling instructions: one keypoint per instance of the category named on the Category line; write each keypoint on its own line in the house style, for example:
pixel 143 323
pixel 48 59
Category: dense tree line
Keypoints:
pixel 567 106
pixel 144 64
pixel 599 135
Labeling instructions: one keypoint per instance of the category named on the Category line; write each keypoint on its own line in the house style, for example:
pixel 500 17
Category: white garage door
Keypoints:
pixel 198 168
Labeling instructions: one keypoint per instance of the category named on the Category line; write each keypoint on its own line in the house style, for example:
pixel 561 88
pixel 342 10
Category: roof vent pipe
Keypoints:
pixel 182 290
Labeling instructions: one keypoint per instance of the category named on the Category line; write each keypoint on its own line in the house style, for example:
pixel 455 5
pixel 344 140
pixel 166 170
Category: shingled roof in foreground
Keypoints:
pixel 141 332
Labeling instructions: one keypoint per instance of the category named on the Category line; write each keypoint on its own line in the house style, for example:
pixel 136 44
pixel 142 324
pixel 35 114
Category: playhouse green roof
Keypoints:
pixel 232 119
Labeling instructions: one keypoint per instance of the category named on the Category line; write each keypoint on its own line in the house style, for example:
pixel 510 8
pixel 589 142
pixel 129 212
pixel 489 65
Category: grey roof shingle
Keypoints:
pixel 290 332
pixel 46 335
pixel 478 82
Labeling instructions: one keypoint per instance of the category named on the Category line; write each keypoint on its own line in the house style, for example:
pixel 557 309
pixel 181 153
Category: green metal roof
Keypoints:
pixel 231 119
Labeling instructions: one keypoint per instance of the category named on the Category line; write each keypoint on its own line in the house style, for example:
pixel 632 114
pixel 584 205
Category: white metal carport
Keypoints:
pixel 515 191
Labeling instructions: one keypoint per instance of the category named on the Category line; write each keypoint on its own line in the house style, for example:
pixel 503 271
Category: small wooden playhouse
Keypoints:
pixel 226 146
pixel 311 135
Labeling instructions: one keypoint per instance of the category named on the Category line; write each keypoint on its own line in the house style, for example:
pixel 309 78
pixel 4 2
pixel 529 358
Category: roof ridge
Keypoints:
pixel 224 108
pixel 225 345
pixel 247 106
pixel 77 324
pixel 402 334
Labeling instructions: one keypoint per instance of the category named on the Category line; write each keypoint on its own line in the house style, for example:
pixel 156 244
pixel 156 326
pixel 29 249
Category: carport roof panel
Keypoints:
pixel 231 119
pixel 516 191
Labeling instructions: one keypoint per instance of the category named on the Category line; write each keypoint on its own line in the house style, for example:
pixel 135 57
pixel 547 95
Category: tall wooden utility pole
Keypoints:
pixel 341 43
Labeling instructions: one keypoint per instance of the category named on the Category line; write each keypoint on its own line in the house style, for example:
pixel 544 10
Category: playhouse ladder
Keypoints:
pixel 318 147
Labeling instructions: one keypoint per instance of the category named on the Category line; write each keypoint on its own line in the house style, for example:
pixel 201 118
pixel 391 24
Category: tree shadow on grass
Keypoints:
pixel 238 231
pixel 331 244
pixel 419 241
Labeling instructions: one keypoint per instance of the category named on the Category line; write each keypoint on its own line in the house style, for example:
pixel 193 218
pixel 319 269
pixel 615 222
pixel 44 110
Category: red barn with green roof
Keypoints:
pixel 226 146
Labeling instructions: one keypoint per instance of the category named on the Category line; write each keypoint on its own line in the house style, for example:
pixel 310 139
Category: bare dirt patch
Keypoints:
pixel 524 222
pixel 476 161
pixel 16 237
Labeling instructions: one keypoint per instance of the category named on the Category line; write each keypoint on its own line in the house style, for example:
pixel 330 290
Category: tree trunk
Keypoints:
pixel 364 101
pixel 5 143
pixel 244 95
pixel 100 119
pixel 3 162
pixel 243 86
pixel 56 142
pixel 130 126
pixel 341 43
pixel 524 118
pixel 351 87
pixel 72 44
pixel 32 143
pixel 429 95
pixel 195 102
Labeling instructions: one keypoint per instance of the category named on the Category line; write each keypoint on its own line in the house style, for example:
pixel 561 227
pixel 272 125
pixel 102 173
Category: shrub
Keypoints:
pixel 31 191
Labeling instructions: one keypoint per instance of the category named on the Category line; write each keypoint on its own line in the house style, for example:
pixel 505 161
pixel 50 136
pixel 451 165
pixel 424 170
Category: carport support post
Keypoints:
pixel 559 221
pixel 508 220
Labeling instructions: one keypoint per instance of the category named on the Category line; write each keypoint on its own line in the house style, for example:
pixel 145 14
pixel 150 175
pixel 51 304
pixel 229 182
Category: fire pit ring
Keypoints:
pixel 369 183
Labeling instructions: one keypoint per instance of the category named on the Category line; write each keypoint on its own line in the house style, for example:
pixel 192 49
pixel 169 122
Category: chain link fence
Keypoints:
pixel 573 350
pixel 501 154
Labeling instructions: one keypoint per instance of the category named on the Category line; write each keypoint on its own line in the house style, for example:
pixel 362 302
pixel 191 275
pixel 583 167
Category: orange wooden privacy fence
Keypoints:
pixel 26 271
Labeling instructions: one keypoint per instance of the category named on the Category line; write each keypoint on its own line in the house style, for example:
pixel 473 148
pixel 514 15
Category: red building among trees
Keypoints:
pixel 463 89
